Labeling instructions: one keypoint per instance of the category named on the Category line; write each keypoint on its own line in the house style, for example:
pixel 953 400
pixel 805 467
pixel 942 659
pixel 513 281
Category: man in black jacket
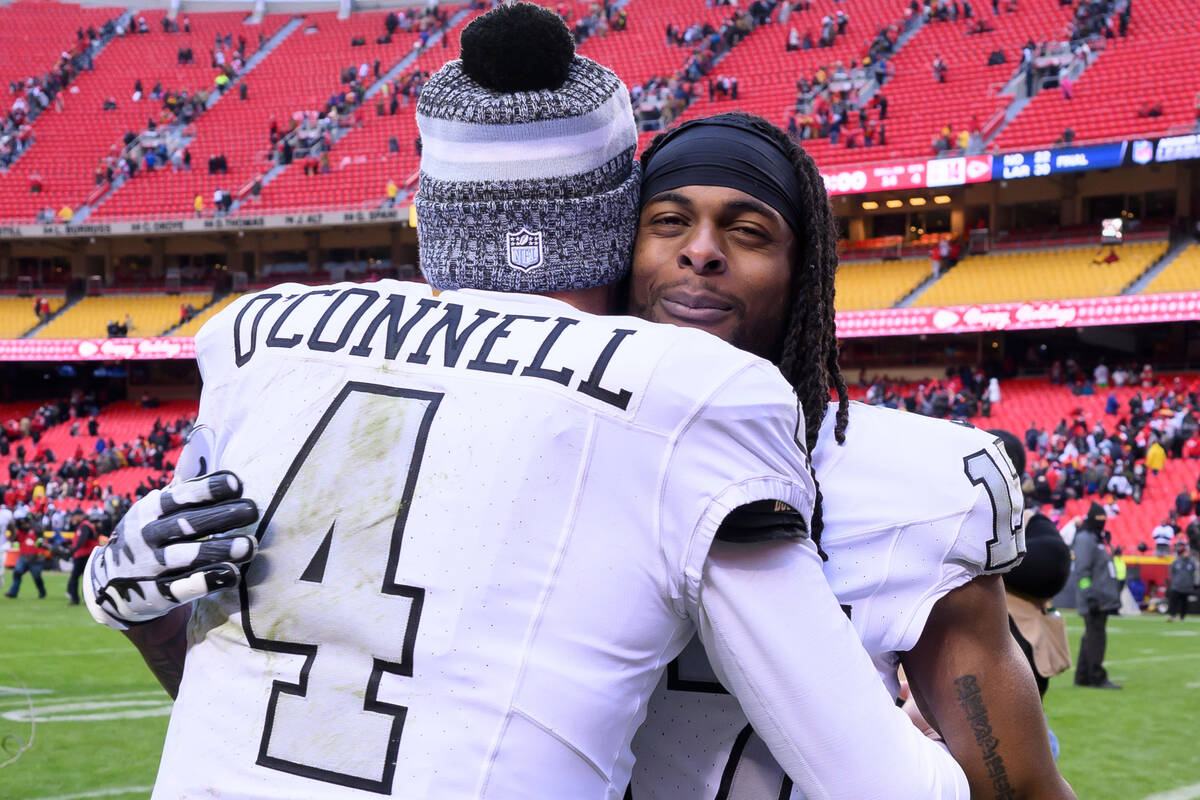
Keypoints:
pixel 1098 597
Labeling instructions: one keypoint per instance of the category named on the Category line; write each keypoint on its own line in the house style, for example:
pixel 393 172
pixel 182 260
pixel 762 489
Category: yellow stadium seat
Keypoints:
pixel 1181 275
pixel 17 317
pixel 151 314
pixel 1041 275
pixel 190 327
pixel 877 284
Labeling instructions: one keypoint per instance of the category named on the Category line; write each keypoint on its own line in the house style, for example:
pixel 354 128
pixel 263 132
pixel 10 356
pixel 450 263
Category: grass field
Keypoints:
pixel 99 717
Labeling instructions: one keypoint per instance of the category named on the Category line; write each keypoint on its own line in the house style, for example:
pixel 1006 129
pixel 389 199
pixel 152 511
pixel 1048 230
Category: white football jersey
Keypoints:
pixel 483 523
pixel 913 507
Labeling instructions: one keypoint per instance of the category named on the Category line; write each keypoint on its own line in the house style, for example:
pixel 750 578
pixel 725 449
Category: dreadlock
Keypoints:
pixel 809 354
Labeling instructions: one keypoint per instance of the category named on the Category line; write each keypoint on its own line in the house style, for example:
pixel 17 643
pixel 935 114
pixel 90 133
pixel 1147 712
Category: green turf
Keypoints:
pixel 1136 742
pixel 1115 745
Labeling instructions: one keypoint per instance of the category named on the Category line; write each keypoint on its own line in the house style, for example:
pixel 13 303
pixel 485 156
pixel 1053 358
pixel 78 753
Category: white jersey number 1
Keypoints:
pixel 994 469
pixel 323 586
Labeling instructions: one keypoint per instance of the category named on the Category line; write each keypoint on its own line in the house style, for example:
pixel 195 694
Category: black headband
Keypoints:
pixel 726 151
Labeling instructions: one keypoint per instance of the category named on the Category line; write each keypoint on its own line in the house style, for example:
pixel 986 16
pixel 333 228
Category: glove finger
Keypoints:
pixel 187 555
pixel 197 523
pixel 192 586
pixel 205 490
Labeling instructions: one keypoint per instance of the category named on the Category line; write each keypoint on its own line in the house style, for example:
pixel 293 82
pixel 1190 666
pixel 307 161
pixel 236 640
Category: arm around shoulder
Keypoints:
pixel 779 641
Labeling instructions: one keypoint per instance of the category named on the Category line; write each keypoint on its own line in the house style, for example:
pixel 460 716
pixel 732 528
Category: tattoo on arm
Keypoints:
pixel 970 697
pixel 163 645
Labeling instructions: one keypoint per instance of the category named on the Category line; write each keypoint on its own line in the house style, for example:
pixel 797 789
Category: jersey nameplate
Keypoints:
pixel 363 323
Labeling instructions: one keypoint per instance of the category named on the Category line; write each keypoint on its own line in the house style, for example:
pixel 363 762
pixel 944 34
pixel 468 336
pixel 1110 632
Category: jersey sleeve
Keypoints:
pixel 992 537
pixel 742 447
pixel 986 537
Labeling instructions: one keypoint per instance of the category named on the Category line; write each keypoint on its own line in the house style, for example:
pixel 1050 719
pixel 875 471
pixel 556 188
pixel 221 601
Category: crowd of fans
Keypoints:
pixel 35 93
pixel 43 485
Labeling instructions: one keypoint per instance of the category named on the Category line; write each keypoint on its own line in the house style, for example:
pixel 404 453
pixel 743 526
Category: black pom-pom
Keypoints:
pixel 518 48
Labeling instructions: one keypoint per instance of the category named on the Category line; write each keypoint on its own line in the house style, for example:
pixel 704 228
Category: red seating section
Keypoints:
pixel 1156 62
pixel 919 106
pixel 360 162
pixel 72 142
pixel 121 422
pixel 34 33
pixel 767 73
pixel 278 88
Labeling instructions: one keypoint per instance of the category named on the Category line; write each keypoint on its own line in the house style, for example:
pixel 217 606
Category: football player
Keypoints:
pixel 491 517
pixel 918 517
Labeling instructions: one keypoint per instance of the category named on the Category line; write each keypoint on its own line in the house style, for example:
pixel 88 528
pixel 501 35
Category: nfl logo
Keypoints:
pixel 1143 152
pixel 525 249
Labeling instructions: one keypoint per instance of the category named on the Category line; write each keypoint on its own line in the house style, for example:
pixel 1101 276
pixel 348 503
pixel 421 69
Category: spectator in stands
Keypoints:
pixel 256 187
pixel 1184 502
pixel 1162 535
pixel 940 68
pixel 1156 457
pixel 198 204
pixel 1181 582
pixel 391 190
pixel 110 104
pixel 66 214
pixel 35 182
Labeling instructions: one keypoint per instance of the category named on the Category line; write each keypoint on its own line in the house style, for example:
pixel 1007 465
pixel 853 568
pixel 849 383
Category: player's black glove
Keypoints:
pixel 174 546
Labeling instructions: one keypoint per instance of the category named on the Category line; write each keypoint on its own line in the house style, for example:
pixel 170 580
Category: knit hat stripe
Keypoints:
pixel 532 151
pixel 603 115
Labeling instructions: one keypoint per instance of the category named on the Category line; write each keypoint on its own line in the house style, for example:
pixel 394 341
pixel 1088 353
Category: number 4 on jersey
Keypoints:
pixel 993 468
pixel 324 587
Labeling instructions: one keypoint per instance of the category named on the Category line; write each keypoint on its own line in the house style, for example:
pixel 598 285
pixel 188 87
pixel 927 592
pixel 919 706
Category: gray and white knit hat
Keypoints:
pixel 528 176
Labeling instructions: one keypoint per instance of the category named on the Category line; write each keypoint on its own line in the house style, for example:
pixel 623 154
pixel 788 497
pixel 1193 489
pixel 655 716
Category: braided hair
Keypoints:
pixel 809 353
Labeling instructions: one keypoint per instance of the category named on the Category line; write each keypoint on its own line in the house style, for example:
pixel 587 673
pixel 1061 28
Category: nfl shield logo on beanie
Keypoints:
pixel 525 249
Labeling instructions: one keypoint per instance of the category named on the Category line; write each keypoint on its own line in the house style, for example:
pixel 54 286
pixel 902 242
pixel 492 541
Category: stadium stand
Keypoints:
pixel 877 284
pixel 33 34
pixel 1130 75
pixel 17 316
pixel 1181 275
pixel 767 72
pixel 298 77
pixel 1037 401
pixel 71 143
pixel 225 129
pixel 970 97
pixel 641 52
pixel 360 161
pixel 1041 275
pixel 125 424
pixel 193 325
pixel 304 69
pixel 151 313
